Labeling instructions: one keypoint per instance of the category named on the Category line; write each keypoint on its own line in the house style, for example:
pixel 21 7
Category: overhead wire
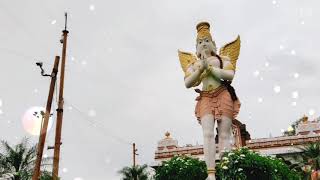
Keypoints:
pixel 83 115
pixel 97 124
pixel 20 25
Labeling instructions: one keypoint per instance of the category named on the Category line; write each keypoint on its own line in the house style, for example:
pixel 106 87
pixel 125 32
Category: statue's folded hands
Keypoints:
pixel 222 74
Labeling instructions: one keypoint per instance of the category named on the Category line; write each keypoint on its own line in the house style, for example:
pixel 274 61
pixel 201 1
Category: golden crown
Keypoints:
pixel 203 29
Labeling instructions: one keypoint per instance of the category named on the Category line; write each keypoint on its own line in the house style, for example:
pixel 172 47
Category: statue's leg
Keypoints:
pixel 224 130
pixel 209 146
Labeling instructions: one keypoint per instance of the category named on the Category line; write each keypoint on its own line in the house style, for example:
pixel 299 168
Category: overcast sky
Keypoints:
pixel 124 83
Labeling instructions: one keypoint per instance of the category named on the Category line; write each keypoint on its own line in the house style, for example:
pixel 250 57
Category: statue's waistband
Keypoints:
pixel 212 93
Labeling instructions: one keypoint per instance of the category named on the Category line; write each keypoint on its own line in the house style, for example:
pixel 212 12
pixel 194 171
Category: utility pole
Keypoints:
pixel 134 153
pixel 56 157
pixel 43 131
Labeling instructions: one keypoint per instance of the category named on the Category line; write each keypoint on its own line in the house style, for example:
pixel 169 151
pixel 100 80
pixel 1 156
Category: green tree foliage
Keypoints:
pixel 182 167
pixel 135 173
pixel 45 175
pixel 308 161
pixel 244 164
pixel 311 155
pixel 18 160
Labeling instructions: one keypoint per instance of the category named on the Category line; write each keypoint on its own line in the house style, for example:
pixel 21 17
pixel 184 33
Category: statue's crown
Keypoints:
pixel 203 29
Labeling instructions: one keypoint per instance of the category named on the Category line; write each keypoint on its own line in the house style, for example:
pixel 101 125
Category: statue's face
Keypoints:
pixel 205 45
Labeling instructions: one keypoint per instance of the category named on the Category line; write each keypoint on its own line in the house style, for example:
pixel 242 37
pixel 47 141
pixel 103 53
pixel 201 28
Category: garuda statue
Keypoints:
pixel 217 101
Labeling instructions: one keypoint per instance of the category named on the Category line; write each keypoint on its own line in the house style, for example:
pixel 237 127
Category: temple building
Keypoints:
pixel 286 146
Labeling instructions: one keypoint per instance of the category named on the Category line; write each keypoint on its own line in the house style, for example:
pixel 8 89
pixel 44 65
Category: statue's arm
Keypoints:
pixel 193 76
pixel 227 73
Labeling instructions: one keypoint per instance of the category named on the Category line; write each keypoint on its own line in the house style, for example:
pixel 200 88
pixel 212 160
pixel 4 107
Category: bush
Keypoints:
pixel 244 164
pixel 182 167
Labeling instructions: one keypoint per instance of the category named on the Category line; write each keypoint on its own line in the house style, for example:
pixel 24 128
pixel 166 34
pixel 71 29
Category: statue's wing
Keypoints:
pixel 231 50
pixel 186 59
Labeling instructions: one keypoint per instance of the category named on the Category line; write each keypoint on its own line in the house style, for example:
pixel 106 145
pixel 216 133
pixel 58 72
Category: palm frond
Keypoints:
pixel 18 159
pixel 6 148
pixel 29 157
pixel 311 155
pixel 134 173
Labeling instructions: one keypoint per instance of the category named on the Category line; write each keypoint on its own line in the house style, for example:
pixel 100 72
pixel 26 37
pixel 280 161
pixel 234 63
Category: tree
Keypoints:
pixel 135 173
pixel 311 159
pixel 45 175
pixel 182 167
pixel 18 160
pixel 311 155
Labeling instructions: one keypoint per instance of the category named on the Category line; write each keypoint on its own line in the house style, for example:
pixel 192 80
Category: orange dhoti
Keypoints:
pixel 217 102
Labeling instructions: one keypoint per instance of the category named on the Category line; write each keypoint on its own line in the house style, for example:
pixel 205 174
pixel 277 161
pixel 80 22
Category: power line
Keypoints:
pixel 97 124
